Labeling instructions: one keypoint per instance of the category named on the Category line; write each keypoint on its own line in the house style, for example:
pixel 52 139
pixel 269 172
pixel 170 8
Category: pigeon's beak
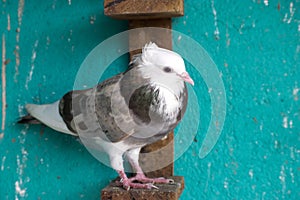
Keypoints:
pixel 186 77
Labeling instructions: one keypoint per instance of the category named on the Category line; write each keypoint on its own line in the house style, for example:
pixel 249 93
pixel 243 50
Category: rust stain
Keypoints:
pixel 7 61
pixel 255 120
pixel 3 76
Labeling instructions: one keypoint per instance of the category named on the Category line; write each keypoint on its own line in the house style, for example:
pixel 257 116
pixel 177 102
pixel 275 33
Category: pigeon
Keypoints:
pixel 125 112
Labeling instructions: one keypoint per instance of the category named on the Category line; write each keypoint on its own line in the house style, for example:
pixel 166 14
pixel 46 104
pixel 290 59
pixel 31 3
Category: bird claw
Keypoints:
pixel 143 179
pixel 163 180
pixel 128 184
pixel 152 186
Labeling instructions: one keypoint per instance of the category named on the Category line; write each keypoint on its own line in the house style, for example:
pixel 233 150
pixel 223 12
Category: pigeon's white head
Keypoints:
pixel 163 66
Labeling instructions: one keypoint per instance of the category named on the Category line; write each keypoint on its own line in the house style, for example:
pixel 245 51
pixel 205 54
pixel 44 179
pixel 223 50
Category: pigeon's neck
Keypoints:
pixel 166 90
pixel 160 81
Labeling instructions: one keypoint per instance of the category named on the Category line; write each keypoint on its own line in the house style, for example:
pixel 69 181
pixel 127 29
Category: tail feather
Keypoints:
pixel 28 119
pixel 47 114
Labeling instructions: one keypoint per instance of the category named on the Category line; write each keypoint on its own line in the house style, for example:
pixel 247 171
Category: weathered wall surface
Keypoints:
pixel 254 43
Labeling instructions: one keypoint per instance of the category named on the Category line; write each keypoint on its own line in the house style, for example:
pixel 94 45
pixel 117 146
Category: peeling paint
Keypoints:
pixel 92 19
pixel 19 192
pixel 292 175
pixel 227 38
pixel 288 17
pixel 216 32
pixel 225 184
pixel 282 178
pixel 8 22
pixel 295 93
pixel 17 57
pixel 33 57
pixel 17 48
pixel 21 110
pixel 285 122
pixel 292 153
pixel 250 173
pixel 20 189
pixel 48 41
pixel 20 11
pixel 3 163
pixel 3 77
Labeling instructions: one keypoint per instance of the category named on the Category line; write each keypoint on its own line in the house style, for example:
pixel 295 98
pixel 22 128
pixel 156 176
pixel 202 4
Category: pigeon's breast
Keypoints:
pixel 168 104
pixel 155 111
pixel 151 104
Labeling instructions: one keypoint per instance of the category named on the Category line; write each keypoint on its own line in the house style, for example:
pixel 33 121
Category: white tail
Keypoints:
pixel 49 115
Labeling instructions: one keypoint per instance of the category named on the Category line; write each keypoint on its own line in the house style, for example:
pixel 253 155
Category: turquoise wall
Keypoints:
pixel 254 43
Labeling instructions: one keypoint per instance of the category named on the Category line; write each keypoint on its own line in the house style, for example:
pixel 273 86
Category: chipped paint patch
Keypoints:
pixel 295 93
pixel 92 19
pixel 17 58
pixel 292 175
pixel 17 48
pixel 288 17
pixel 292 153
pixel 20 11
pixel 8 22
pixel 282 178
pixel 214 11
pixel 251 173
pixel 285 122
pixel 3 163
pixel 33 57
pixel 20 189
pixel 19 192
pixel 21 110
pixel 225 184
pixel 227 40
pixel 3 77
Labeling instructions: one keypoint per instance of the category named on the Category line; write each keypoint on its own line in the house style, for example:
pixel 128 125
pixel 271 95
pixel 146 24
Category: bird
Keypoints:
pixel 125 112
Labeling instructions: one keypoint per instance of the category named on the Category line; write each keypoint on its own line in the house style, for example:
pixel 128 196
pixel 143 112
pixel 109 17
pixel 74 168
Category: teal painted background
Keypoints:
pixel 256 46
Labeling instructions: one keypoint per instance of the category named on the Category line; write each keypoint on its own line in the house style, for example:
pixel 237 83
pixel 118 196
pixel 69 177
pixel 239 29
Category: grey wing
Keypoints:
pixel 98 112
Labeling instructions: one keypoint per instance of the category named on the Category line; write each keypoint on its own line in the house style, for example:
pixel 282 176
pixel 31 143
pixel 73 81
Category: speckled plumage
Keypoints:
pixel 90 110
pixel 126 112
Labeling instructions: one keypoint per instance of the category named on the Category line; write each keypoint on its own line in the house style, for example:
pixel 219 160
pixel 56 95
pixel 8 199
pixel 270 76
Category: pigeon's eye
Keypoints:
pixel 167 69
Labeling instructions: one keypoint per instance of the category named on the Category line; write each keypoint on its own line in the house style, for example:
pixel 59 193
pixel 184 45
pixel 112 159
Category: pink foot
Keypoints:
pixel 127 184
pixel 130 183
pixel 140 177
